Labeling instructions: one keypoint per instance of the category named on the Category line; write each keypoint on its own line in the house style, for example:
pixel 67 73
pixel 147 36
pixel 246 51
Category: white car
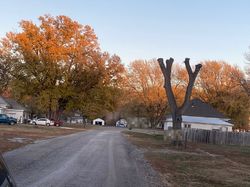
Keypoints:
pixel 42 121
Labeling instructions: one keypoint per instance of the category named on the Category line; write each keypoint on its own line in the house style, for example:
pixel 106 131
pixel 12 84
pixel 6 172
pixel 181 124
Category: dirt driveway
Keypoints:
pixel 94 158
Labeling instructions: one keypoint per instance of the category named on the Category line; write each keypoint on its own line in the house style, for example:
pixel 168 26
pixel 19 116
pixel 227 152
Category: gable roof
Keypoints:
pixel 98 119
pixel 200 109
pixel 205 120
pixel 11 103
pixel 14 104
pixel 3 102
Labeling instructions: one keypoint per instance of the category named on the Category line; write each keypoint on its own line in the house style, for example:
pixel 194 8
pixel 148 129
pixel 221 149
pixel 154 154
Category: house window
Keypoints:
pixel 187 125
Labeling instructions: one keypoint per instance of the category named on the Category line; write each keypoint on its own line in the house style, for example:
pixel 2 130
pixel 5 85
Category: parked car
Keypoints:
pixel 42 121
pixel 121 123
pixel 57 122
pixel 7 120
pixel 6 179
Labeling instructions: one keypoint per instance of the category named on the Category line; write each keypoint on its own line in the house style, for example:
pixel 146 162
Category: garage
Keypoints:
pixel 98 121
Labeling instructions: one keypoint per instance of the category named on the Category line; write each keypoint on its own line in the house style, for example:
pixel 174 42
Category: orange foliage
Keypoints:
pixel 145 83
pixel 216 77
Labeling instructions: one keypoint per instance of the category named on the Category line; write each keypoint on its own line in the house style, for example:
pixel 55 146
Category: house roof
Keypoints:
pixel 3 102
pixel 203 120
pixel 98 119
pixel 200 109
pixel 11 103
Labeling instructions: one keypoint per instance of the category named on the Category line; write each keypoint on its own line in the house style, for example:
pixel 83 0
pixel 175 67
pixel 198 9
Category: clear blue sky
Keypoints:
pixel 145 29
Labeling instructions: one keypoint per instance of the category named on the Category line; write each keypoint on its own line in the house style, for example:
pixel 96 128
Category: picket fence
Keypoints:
pixel 216 137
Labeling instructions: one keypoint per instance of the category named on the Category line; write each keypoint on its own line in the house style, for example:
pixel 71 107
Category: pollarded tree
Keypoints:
pixel 177 111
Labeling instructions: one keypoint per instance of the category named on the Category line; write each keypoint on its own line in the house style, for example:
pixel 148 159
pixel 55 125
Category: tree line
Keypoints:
pixel 57 66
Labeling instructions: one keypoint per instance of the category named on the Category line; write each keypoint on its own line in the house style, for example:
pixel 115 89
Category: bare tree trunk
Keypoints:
pixel 50 108
pixel 177 120
pixel 176 135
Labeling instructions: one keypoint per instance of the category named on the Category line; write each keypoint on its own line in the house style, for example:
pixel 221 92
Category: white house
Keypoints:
pixel 200 115
pixel 98 121
pixel 13 109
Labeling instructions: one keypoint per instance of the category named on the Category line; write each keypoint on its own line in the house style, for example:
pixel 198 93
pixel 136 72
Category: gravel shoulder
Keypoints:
pixel 92 158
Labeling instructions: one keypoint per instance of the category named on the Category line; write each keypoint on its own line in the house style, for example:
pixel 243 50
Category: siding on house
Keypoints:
pixel 13 109
pixel 18 114
pixel 195 125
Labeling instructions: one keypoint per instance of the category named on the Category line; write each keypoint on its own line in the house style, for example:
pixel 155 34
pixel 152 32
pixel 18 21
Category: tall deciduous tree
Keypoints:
pixel 145 84
pixel 177 111
pixel 220 84
pixel 59 62
pixel 7 61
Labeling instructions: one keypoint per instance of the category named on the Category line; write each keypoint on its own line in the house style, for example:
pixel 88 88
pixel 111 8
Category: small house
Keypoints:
pixel 200 115
pixel 13 109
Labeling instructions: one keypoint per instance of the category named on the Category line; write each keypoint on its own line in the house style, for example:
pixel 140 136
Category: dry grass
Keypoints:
pixel 12 137
pixel 198 164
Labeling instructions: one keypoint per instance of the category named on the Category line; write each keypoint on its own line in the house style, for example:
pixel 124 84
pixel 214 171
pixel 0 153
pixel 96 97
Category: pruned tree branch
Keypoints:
pixel 192 76
pixel 162 66
pixel 188 67
pixel 166 71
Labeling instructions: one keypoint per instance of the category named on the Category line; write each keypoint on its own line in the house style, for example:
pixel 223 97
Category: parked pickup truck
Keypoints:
pixel 7 120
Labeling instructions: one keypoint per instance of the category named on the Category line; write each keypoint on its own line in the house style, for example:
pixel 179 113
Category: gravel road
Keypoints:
pixel 98 158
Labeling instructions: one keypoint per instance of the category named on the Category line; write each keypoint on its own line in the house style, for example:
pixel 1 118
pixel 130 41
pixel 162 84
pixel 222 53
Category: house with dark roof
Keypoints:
pixel 201 115
pixel 13 109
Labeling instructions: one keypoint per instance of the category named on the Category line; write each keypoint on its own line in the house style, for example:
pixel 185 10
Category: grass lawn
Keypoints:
pixel 12 137
pixel 198 164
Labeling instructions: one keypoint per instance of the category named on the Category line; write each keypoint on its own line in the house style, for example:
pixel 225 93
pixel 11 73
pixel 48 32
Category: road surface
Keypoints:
pixel 98 158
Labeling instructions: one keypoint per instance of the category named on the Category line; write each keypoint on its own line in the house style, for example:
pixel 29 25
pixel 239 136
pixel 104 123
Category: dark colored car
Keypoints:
pixel 57 122
pixel 7 120
pixel 6 179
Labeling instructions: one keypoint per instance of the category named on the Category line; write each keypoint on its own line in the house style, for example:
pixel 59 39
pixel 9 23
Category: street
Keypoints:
pixel 93 158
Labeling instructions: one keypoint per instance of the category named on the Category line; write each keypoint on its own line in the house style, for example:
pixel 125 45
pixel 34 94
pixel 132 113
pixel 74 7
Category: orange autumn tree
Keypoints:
pixel 7 61
pixel 220 85
pixel 146 91
pixel 59 63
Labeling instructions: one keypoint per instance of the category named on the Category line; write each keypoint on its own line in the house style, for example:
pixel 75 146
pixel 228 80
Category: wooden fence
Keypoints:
pixel 216 137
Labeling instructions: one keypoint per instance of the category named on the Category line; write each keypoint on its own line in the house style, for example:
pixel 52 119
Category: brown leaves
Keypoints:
pixel 145 84
pixel 58 58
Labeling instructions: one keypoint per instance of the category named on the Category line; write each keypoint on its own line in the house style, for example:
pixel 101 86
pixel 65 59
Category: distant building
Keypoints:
pixel 112 117
pixel 200 115
pixel 98 121
pixel 75 118
pixel 138 122
pixel 13 109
